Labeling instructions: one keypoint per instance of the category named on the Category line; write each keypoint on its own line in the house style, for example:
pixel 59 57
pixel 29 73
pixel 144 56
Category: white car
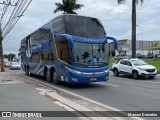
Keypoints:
pixel 15 65
pixel 134 67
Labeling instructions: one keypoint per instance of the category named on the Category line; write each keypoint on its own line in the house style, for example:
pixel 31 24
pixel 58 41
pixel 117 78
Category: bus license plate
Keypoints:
pixel 93 79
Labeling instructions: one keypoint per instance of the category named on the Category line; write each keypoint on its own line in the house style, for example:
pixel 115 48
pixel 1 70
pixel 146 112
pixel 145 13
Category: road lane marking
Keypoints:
pixel 13 82
pixel 112 85
pixel 108 84
pixel 152 82
pixel 78 96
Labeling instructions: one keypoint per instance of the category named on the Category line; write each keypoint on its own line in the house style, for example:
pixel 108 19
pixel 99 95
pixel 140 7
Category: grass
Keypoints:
pixel 155 62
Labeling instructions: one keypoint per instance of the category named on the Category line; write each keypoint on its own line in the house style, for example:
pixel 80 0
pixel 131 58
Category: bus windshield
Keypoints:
pixel 90 54
pixel 84 27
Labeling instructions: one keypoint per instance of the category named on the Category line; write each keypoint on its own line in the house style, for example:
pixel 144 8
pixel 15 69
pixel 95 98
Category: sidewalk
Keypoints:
pixel 19 96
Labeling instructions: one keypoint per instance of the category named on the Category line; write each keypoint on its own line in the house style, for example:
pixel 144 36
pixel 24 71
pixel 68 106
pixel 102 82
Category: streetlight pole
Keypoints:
pixel 142 37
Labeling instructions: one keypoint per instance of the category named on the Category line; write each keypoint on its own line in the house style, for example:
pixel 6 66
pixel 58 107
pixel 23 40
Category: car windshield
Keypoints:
pixel 90 54
pixel 139 62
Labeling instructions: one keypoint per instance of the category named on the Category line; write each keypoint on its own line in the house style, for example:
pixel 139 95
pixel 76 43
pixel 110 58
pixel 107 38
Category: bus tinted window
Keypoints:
pixel 36 57
pixel 90 54
pixel 41 34
pixel 47 56
pixel 84 27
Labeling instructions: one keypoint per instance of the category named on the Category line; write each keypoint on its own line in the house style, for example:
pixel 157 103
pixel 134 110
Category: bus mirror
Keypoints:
pixel 115 42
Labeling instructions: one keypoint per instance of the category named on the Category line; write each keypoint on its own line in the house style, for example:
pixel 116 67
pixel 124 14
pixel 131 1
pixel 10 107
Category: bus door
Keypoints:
pixel 63 53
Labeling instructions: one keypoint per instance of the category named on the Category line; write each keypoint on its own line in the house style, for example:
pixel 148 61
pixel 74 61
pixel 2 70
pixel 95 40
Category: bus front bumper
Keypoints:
pixel 75 78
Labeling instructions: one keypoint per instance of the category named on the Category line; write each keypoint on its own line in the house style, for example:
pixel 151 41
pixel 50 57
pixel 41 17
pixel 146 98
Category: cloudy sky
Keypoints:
pixel 115 18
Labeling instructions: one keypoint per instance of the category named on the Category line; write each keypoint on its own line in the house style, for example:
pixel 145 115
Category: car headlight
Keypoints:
pixel 142 69
pixel 73 71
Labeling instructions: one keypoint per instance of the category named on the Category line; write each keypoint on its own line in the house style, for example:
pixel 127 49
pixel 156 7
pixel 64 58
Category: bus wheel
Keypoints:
pixel 47 76
pixel 55 79
pixel 27 71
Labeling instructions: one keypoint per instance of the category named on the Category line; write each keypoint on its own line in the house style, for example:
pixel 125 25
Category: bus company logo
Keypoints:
pixel 6 114
pixel 90 40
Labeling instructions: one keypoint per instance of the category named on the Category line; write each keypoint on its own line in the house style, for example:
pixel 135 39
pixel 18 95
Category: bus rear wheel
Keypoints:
pixel 47 76
pixel 55 77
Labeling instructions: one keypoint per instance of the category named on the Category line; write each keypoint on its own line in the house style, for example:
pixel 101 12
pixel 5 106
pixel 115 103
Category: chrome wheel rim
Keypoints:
pixel 47 76
pixel 54 76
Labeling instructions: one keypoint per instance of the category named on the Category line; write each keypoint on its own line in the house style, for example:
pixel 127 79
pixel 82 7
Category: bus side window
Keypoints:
pixel 35 57
pixel 47 56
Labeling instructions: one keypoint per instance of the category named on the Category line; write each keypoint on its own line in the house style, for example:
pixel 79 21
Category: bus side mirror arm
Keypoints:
pixel 115 42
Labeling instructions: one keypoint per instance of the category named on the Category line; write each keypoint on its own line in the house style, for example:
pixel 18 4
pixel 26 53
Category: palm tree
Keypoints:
pixel 67 6
pixel 134 2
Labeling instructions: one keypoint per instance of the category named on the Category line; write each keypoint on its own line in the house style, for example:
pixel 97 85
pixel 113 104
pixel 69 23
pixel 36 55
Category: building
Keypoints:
pixel 142 47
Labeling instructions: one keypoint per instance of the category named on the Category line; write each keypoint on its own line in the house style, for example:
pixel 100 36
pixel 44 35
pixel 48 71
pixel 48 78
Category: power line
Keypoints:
pixel 17 12
pixel 10 10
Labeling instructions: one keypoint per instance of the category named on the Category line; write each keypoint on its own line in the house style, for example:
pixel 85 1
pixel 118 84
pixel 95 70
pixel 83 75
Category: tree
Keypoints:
pixel 5 56
pixel 11 56
pixel 67 6
pixel 134 2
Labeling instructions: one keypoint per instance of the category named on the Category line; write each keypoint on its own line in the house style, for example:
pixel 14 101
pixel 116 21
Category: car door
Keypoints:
pixel 121 66
pixel 128 67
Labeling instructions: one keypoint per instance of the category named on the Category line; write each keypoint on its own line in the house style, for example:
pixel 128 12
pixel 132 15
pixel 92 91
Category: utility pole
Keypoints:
pixel 1 38
pixel 1 51
pixel 21 6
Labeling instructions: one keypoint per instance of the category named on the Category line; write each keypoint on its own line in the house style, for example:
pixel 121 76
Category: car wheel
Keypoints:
pixel 116 73
pixel 151 77
pixel 135 75
pixel 55 77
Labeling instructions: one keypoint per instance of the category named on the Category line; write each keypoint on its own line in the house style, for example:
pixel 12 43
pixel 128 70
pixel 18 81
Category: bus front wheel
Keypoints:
pixel 28 72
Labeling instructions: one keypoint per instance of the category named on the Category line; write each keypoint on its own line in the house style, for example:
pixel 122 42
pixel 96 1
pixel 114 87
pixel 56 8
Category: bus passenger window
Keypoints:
pixel 35 57
pixel 47 56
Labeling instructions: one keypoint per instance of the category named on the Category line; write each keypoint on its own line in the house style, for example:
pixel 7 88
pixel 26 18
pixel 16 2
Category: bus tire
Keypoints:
pixel 47 76
pixel 27 71
pixel 55 77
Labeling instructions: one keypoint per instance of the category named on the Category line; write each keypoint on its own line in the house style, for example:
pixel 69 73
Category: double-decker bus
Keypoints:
pixel 69 48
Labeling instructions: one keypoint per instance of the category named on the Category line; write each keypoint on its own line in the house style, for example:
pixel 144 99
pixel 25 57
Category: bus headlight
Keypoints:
pixel 106 71
pixel 73 71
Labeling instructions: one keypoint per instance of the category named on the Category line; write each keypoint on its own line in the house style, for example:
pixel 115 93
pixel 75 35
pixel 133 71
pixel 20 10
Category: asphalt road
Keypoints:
pixel 122 93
